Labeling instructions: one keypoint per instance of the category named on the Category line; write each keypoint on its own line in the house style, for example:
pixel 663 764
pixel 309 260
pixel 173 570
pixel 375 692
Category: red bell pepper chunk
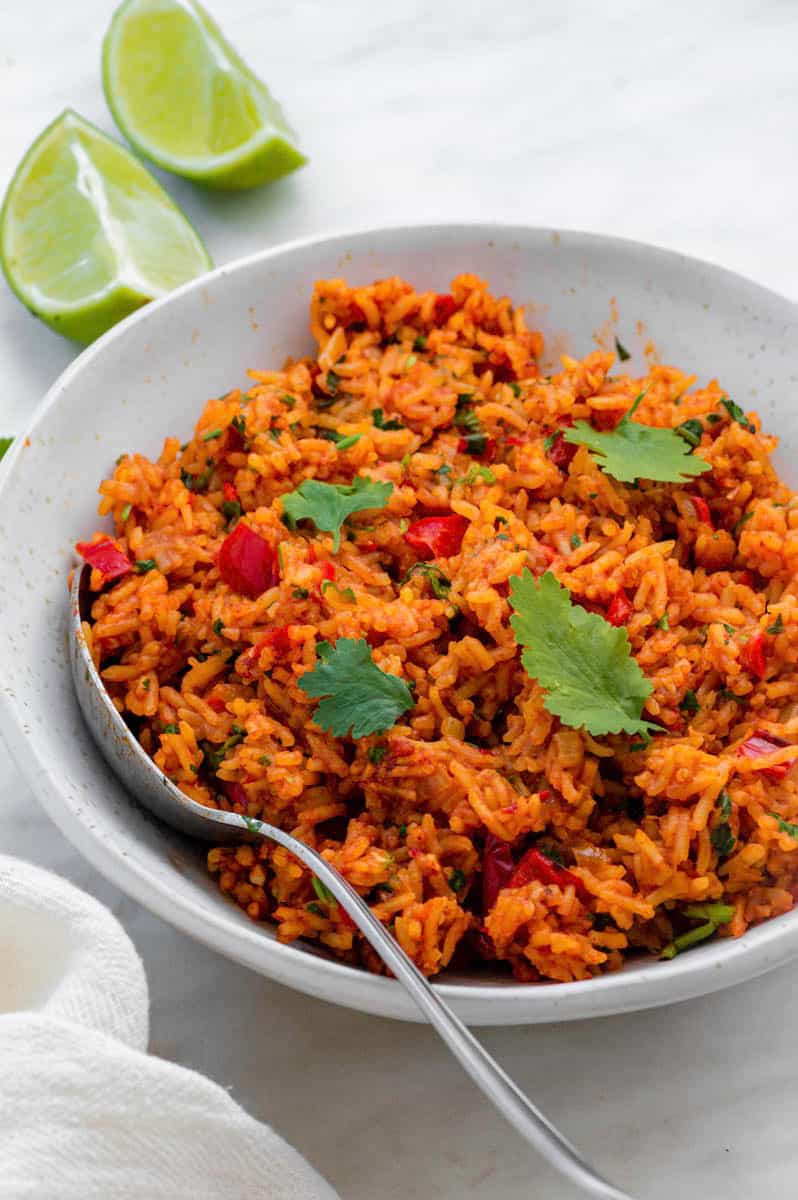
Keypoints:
pixel 437 537
pixel 278 638
pixel 761 743
pixel 497 869
pixel 561 452
pixel 620 609
pixel 753 655
pixel 235 793
pixel 104 556
pixel 327 569
pixel 217 703
pixel 535 865
pixel 248 563
pixel 702 510
pixel 230 493
pixel 445 305
pixel 514 440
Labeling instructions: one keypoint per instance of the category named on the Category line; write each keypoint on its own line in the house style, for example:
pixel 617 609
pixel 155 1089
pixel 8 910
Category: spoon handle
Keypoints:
pixel 486 1073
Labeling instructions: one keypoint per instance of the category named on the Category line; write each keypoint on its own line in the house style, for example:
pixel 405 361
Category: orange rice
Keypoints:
pixel 195 665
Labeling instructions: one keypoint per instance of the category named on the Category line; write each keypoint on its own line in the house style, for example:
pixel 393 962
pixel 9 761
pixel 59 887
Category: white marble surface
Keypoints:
pixel 672 123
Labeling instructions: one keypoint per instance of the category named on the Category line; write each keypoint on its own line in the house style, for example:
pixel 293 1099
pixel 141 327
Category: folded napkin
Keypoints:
pixel 85 1112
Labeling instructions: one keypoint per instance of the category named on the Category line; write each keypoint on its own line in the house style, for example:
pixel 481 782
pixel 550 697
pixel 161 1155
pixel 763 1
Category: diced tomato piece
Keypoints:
pixel 514 440
pixel 497 868
pixel 761 743
pixel 746 578
pixel 437 537
pixel 606 420
pixel 327 569
pixel 105 556
pixel 702 510
pixel 230 493
pixel 367 547
pixel 445 305
pixel 248 563
pixel 549 553
pixel 279 639
pixel 535 865
pixel 217 703
pixel 753 655
pixel 620 609
pixel 560 452
pixel 235 794
pixel 504 373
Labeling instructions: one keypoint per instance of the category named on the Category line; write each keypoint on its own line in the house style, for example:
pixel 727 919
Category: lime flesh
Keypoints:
pixel 183 97
pixel 87 235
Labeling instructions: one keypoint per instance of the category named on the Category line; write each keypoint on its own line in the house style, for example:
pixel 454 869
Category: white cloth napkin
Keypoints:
pixel 85 1112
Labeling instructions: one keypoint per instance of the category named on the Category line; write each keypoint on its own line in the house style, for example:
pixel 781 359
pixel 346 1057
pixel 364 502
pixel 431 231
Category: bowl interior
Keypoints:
pixel 151 376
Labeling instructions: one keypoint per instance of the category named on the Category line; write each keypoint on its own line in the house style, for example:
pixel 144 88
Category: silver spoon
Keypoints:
pixel 140 775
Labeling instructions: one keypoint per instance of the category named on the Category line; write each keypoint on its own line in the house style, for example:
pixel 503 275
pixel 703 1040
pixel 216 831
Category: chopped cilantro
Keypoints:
pixel 197 483
pixel 515 389
pixel 265 760
pixel 474 473
pixel 722 839
pixel 355 694
pixel 728 694
pixel 402 831
pixel 300 593
pixel 691 431
pixel 377 754
pixel 215 755
pixel 328 505
pixel 439 583
pixel 126 511
pixel 576 541
pixel 315 908
pixel 622 352
pixel 475 443
pixel 636 746
pixel 549 441
pixel 289 401
pixel 663 622
pixel 786 826
pixel 410 361
pixel 444 472
pixel 143 565
pixel 218 626
pixel 457 880
pixel 730 629
pixel 420 342
pixel 346 593
pixel 584 664
pixel 145 683
pixel 346 443
pixel 231 509
pixel 633 451
pixel 322 891
pixel 777 626
pixel 378 418
pixel 332 383
pixel 742 521
pixel 210 434
pixel 690 703
pixel 172 727
pixel 737 414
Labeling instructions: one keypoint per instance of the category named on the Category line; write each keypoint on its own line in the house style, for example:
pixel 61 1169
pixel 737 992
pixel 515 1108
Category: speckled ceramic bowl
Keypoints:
pixel 150 375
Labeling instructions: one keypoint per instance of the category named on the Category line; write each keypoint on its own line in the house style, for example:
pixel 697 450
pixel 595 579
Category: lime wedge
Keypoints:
pixel 87 235
pixel 185 100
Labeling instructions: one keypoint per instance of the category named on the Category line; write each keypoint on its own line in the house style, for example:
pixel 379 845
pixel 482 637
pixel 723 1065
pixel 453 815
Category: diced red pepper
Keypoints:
pixel 746 578
pixel 235 793
pixel 234 440
pixel 248 563
pixel 327 569
pixel 466 446
pixel 535 865
pixel 230 493
pixel 753 655
pixel 560 452
pixel 437 537
pixel 104 556
pixel 217 703
pixel 702 510
pixel 514 440
pixel 497 868
pixel 761 743
pixel 445 305
pixel 279 639
pixel 620 609
pixel 367 547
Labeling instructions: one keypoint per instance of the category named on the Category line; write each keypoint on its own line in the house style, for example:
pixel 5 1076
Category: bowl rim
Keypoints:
pixel 708 968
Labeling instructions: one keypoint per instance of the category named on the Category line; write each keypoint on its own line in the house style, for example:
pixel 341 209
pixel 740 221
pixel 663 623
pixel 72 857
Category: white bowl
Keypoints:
pixel 151 375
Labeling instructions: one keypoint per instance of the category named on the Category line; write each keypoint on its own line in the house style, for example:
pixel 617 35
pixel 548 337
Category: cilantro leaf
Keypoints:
pixel 633 451
pixel 357 695
pixel 328 505
pixel 584 663
pixel 621 351
pixel 786 826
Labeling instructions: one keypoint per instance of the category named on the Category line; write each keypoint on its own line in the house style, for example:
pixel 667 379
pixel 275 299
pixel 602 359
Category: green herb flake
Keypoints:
pixel 457 880
pixel 125 513
pixel 777 626
pixel 576 541
pixel 346 443
pixel 410 361
pixel 378 417
pixel 583 663
pixel 690 703
pixel 322 891
pixel 420 342
pixel 632 451
pixel 300 593
pixel 663 622
pixel 376 754
pixel 172 727
pixel 231 510
pixel 210 434
pixel 315 908
pixel 737 414
pixel 332 383
pixel 786 826
pixel 621 351
pixel 328 505
pixel 474 473
pixel 345 593
pixel 356 696
pixel 515 389
pixel 691 431
pixel 143 565
pixel 289 401
pixel 218 626
pixel 145 683
pixel 439 583
pixel 744 519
